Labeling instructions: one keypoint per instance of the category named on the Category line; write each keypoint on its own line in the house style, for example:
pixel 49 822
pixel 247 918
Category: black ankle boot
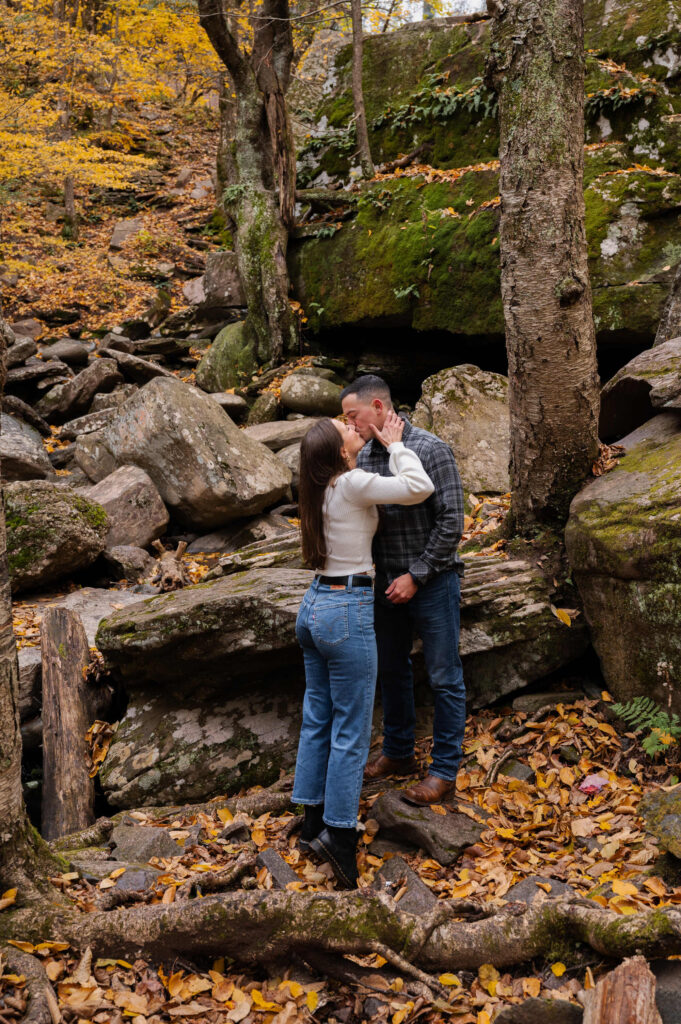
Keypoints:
pixel 312 825
pixel 338 846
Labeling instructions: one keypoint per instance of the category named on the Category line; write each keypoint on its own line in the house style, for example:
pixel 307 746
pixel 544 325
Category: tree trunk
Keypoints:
pixel 68 790
pixel 536 64
pixel 71 218
pixel 365 160
pixel 625 996
pixel 256 160
pixel 20 847
pixel 670 321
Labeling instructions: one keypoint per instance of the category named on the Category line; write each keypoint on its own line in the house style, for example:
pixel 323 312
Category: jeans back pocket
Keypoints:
pixel 330 623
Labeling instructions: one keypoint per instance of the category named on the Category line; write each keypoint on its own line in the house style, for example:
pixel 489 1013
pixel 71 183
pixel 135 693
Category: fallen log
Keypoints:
pixel 624 996
pixel 257 927
pixel 68 790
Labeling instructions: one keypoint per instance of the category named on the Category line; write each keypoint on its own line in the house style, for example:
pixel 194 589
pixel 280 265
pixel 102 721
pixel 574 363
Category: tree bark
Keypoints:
pixel 625 996
pixel 256 162
pixel 365 159
pixel 71 218
pixel 670 321
pixel 536 64
pixel 68 790
pixel 271 927
pixel 21 850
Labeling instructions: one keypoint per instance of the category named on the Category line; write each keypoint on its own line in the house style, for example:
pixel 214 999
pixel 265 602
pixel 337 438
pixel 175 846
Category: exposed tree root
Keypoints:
pixel 93 835
pixel 42 1002
pixel 259 927
pixel 276 797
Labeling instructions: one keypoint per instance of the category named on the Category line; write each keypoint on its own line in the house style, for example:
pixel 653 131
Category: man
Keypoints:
pixel 417 590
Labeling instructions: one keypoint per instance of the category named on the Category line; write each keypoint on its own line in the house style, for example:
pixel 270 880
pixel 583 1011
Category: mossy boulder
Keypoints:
pixel 468 408
pixel 661 812
pixel 51 532
pixel 623 540
pixel 650 381
pixel 310 395
pixel 230 360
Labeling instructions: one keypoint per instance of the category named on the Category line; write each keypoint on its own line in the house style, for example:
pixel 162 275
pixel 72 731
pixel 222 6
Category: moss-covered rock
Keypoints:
pixel 661 812
pixel 51 532
pixel 624 544
pixel 230 360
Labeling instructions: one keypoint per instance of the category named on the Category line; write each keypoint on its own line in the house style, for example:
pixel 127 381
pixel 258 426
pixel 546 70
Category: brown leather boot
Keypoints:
pixel 384 766
pixel 431 790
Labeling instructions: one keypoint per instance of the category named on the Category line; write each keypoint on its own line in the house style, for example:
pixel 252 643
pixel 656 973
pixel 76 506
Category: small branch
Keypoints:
pixel 493 773
pixel 406 967
pixel 218 881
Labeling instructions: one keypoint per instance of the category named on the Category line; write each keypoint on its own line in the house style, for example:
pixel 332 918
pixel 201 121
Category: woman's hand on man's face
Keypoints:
pixel 391 431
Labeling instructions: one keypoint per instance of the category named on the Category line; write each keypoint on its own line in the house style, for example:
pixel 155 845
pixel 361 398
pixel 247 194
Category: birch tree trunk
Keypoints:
pixel 365 160
pixel 536 65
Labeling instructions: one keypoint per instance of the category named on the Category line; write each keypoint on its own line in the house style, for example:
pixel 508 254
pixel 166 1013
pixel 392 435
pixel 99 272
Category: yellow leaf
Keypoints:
pixel 483 1017
pixel 438 808
pixel 174 984
pixel 506 833
pixel 10 895
pixel 558 969
pixel 117 873
pixel 14 979
pixel 621 888
pixel 261 1002
pixel 311 1001
pixel 449 979
pixel 561 614
pixel 258 836
pixel 656 886
pixel 488 976
pixel 224 814
pixel 567 776
pixel 531 987
pixel 605 697
pixel 25 947
pixel 294 987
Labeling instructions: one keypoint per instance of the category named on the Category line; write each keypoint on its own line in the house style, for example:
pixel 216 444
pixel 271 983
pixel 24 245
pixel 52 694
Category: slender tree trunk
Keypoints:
pixel 365 160
pixel 537 66
pixel 256 160
pixel 71 218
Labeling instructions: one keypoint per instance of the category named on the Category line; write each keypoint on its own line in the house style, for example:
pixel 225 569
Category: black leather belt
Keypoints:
pixel 342 581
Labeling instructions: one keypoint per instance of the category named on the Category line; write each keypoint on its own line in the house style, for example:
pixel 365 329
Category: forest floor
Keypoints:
pixel 573 819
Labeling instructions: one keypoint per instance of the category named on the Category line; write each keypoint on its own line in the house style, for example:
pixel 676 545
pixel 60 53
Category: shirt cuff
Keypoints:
pixel 396 446
pixel 420 571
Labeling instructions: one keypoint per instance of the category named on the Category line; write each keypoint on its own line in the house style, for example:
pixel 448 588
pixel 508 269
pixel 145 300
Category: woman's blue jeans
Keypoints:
pixel 335 628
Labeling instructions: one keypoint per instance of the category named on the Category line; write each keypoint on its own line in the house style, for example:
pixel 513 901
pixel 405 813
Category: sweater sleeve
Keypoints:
pixel 408 485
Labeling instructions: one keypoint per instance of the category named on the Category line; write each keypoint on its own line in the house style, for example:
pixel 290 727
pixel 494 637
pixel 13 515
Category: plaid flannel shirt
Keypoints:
pixel 419 539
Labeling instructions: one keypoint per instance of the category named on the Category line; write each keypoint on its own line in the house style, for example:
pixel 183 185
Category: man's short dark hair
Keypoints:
pixel 368 387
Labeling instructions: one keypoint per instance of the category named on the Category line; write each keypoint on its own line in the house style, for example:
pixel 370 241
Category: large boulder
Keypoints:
pixel 230 360
pixel 281 433
pixel 215 715
pixel 214 671
pixel 73 397
pixel 207 471
pixel 310 395
pixel 136 512
pixel 468 408
pixel 623 540
pixel 221 281
pixel 51 532
pixel 649 382
pixel 22 454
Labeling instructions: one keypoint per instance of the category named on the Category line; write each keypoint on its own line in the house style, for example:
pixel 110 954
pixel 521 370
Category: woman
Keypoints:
pixel 335 626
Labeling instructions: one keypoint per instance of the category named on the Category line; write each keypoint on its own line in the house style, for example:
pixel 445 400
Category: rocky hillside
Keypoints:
pixel 417 248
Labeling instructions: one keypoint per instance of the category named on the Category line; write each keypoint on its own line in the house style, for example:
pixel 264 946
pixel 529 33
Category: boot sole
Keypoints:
pixel 404 774
pixel 322 851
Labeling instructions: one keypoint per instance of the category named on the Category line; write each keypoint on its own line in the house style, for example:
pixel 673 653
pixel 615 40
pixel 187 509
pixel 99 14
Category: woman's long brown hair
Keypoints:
pixel 320 462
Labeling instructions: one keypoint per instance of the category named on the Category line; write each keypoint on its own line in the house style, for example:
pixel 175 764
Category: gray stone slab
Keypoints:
pixel 396 873
pixel 444 836
pixel 527 890
pixel 542 1011
pixel 531 702
pixel 138 843
pixel 281 872
pixel 668 990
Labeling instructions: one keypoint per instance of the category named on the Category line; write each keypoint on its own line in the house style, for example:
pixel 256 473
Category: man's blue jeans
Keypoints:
pixel 335 628
pixel 433 613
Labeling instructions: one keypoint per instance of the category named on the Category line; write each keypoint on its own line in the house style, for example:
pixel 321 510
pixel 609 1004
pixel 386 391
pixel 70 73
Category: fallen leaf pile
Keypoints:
pixel 562 808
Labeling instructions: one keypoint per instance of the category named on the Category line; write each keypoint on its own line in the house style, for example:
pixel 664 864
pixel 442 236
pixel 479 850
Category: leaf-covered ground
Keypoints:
pixel 572 819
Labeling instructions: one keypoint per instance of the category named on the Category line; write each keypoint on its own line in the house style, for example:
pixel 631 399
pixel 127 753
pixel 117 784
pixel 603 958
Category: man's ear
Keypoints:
pixel 378 405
